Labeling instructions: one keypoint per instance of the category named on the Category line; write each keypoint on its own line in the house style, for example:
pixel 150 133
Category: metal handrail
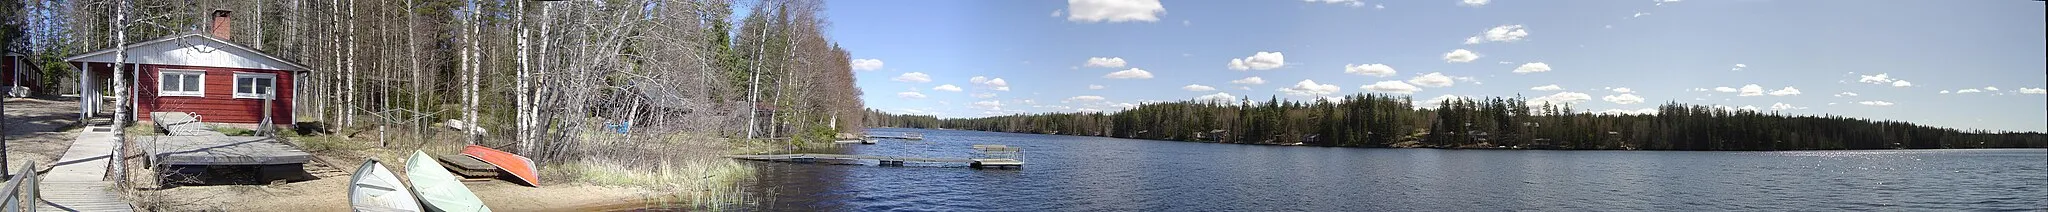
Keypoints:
pixel 21 191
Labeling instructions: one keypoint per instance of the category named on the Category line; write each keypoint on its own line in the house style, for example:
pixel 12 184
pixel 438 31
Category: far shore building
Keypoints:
pixel 198 73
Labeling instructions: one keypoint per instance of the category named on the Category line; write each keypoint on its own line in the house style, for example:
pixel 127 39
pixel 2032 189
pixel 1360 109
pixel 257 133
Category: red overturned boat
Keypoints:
pixel 519 166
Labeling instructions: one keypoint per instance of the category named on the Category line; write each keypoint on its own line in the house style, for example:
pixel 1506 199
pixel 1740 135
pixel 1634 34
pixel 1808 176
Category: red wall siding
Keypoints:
pixel 218 103
pixel 7 71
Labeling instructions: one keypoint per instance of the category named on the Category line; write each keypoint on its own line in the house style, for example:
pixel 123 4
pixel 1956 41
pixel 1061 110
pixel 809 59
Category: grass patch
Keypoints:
pixel 704 184
pixel 326 143
pixel 234 131
pixel 139 130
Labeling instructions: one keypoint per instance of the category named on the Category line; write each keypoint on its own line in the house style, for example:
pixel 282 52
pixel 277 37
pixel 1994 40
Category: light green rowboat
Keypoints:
pixel 437 188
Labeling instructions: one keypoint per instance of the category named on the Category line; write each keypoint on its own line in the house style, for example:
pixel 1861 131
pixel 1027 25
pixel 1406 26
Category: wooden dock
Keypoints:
pixel 904 136
pixel 195 153
pixel 220 150
pixel 196 159
pixel 182 124
pixel 988 156
pixel 879 160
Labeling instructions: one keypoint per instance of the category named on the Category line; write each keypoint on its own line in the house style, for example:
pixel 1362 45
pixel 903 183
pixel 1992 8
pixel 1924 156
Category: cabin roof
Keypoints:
pixel 194 49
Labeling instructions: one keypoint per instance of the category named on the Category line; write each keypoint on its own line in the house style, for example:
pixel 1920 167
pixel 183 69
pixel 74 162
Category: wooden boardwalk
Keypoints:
pixel 78 180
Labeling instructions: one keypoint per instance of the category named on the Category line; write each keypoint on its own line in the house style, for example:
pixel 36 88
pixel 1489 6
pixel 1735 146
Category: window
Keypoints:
pixel 181 83
pixel 254 85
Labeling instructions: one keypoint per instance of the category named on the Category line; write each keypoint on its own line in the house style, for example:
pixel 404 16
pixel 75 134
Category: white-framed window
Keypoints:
pixel 173 82
pixel 254 85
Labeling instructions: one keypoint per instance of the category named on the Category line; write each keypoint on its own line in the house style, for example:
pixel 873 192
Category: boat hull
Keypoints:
pixel 375 188
pixel 438 189
pixel 519 166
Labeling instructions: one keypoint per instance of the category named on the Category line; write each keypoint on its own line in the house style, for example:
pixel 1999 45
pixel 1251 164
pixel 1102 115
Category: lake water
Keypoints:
pixel 1075 173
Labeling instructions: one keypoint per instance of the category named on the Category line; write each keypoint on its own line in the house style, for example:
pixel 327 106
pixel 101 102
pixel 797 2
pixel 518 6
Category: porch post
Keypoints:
pixel 85 95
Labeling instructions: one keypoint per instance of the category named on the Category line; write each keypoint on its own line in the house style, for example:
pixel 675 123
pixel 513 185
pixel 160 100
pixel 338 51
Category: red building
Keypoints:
pixel 199 73
pixel 17 72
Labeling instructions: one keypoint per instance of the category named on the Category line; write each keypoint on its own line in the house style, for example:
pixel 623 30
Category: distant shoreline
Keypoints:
pixel 1418 145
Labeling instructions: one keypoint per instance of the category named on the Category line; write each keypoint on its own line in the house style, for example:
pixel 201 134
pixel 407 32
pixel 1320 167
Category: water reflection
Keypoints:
pixel 1070 173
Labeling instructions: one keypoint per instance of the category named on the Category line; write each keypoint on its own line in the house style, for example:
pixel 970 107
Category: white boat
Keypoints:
pixel 375 188
pixel 438 189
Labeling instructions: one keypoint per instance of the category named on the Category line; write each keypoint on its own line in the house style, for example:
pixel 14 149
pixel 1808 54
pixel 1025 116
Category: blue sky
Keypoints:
pixel 908 52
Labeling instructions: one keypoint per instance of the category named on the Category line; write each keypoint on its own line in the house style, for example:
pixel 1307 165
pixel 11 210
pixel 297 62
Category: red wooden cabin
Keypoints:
pixel 198 73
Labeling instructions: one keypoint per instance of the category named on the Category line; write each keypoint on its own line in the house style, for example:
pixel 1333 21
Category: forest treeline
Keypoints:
pixel 1378 120
pixel 544 77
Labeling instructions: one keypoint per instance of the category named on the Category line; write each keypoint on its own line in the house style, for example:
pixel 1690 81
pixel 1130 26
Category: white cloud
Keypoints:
pixel 1391 86
pixel 1875 103
pixel 1352 3
pixel 1845 94
pixel 1085 98
pixel 1972 90
pixel 2033 91
pixel 1724 89
pixel 1259 61
pixel 1876 79
pixel 1460 56
pixel 984 95
pixel 1309 88
pixel 1532 68
pixel 1783 106
pixel 1105 62
pixel 1474 81
pixel 1989 88
pixel 947 87
pixel 1217 97
pixel 1474 3
pixel 1785 92
pixel 1551 87
pixel 1944 91
pixel 1738 67
pixel 1433 79
pixel 988 105
pixel 1902 83
pixel 866 64
pixel 1133 73
pixel 1095 87
pixel 1622 90
pixel 1058 12
pixel 1379 6
pixel 913 77
pixel 1623 99
pixel 910 95
pixel 1249 81
pixel 1377 70
pixel 1751 90
pixel 1749 107
pixel 1197 87
pixel 1474 40
pixel 1561 98
pixel 1113 11
pixel 1639 14
pixel 1506 33
pixel 994 84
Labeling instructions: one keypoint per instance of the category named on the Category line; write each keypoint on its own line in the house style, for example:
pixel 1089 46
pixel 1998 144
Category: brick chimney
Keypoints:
pixel 221 29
